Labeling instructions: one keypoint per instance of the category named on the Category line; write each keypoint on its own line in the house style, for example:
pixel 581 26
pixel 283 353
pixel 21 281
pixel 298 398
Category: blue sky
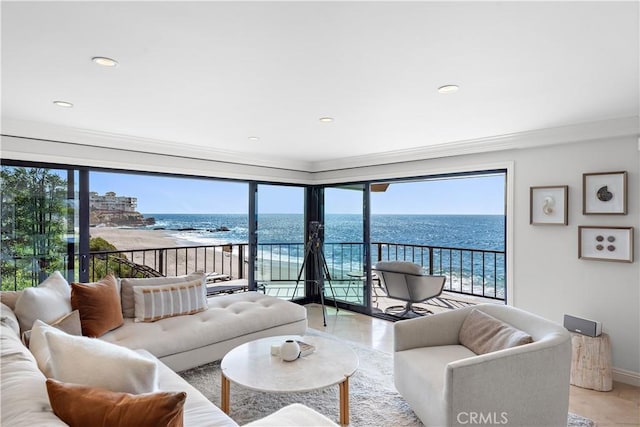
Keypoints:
pixel 157 194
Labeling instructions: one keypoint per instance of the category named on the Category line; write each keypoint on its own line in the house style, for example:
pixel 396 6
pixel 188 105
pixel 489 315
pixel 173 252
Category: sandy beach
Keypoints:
pixel 133 238
pixel 144 245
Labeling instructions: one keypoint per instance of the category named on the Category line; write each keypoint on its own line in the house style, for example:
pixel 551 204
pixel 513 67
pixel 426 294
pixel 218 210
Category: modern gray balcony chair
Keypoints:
pixel 406 281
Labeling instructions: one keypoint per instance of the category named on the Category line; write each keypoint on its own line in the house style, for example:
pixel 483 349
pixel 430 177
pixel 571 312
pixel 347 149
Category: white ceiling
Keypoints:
pixel 205 76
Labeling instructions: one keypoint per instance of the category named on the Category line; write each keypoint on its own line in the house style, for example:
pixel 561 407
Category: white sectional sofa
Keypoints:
pixel 174 343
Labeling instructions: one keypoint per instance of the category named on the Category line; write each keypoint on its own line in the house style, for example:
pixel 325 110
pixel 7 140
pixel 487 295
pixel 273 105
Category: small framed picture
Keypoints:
pixel 604 193
pixel 549 205
pixel 605 243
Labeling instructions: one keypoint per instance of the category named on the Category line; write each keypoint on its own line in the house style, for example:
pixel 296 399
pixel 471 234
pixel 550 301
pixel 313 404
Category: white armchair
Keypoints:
pixel 446 384
pixel 407 282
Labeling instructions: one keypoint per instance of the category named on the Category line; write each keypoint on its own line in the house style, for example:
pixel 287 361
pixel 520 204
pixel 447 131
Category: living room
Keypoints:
pixel 563 103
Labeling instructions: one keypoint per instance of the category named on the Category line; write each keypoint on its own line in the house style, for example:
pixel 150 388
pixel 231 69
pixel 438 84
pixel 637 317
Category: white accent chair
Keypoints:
pixel 446 384
pixel 406 281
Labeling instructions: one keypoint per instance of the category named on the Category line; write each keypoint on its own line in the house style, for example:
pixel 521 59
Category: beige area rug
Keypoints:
pixel 374 400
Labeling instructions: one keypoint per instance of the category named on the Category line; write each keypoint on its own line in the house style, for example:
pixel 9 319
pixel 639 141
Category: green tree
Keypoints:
pixel 33 219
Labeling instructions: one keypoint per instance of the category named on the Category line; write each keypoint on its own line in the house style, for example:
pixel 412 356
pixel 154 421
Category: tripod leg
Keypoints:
pixel 324 310
pixel 304 261
pixel 320 285
pixel 325 270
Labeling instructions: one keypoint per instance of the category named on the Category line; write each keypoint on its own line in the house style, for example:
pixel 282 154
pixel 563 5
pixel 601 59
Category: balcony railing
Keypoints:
pixel 228 260
pixel 475 272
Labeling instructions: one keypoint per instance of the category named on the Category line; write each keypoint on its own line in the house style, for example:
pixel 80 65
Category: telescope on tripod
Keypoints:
pixel 313 253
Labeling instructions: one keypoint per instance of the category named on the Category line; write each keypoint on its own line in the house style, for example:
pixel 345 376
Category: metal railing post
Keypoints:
pixel 430 260
pixel 240 261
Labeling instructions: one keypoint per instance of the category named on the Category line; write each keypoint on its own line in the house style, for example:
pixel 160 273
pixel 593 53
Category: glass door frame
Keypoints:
pixel 366 306
pixel 77 248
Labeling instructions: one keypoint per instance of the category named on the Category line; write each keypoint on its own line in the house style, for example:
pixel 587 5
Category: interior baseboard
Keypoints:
pixel 627 377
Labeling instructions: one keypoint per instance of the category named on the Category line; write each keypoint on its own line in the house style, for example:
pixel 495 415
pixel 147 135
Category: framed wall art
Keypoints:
pixel 604 193
pixel 605 243
pixel 549 205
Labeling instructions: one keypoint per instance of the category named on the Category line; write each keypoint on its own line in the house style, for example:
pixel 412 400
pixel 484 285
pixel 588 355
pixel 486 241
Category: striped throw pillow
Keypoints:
pixel 158 302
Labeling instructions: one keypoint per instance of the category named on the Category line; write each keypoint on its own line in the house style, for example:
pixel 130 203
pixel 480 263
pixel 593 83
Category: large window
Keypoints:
pixel 39 224
pixel 452 225
pixel 86 223
pixel 150 225
pixel 281 240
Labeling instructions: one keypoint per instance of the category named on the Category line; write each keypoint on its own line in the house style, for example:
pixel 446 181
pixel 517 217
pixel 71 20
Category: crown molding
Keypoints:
pixel 96 138
pixel 613 128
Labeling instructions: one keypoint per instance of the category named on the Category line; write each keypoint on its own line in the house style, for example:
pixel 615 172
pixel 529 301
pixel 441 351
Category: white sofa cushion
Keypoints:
pixel 49 301
pixel 175 299
pixel 23 395
pixel 127 285
pixel 227 318
pixel 198 410
pixel 9 319
pixel 90 361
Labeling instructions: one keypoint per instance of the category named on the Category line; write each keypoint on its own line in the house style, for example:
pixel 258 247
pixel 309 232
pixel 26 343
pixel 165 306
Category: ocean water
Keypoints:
pixel 281 252
pixel 458 231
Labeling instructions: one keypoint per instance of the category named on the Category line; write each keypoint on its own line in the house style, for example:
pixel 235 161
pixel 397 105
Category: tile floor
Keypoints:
pixel 619 407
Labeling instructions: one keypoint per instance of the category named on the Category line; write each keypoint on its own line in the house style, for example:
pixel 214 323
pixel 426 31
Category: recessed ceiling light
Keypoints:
pixel 63 104
pixel 253 138
pixel 448 89
pixel 105 62
pixel 326 119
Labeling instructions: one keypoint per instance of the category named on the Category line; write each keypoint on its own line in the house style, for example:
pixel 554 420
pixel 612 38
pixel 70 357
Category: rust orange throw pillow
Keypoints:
pixel 81 406
pixel 99 306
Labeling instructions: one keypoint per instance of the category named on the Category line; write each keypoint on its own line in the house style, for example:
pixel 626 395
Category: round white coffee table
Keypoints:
pixel 251 365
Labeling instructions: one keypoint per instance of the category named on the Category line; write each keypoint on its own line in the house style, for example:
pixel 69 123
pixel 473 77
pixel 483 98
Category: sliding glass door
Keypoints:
pixel 280 240
pixel 344 247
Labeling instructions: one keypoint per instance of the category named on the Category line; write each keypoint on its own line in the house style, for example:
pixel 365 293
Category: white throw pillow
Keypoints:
pixel 127 286
pixel 39 347
pixel 157 302
pixel 49 301
pixel 92 362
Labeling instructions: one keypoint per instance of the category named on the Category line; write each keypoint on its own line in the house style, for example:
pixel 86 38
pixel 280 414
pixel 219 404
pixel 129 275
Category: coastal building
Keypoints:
pixel 111 202
pixel 322 94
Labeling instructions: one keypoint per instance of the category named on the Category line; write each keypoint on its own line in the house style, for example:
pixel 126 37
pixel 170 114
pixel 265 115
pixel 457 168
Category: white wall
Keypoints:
pixel 547 276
